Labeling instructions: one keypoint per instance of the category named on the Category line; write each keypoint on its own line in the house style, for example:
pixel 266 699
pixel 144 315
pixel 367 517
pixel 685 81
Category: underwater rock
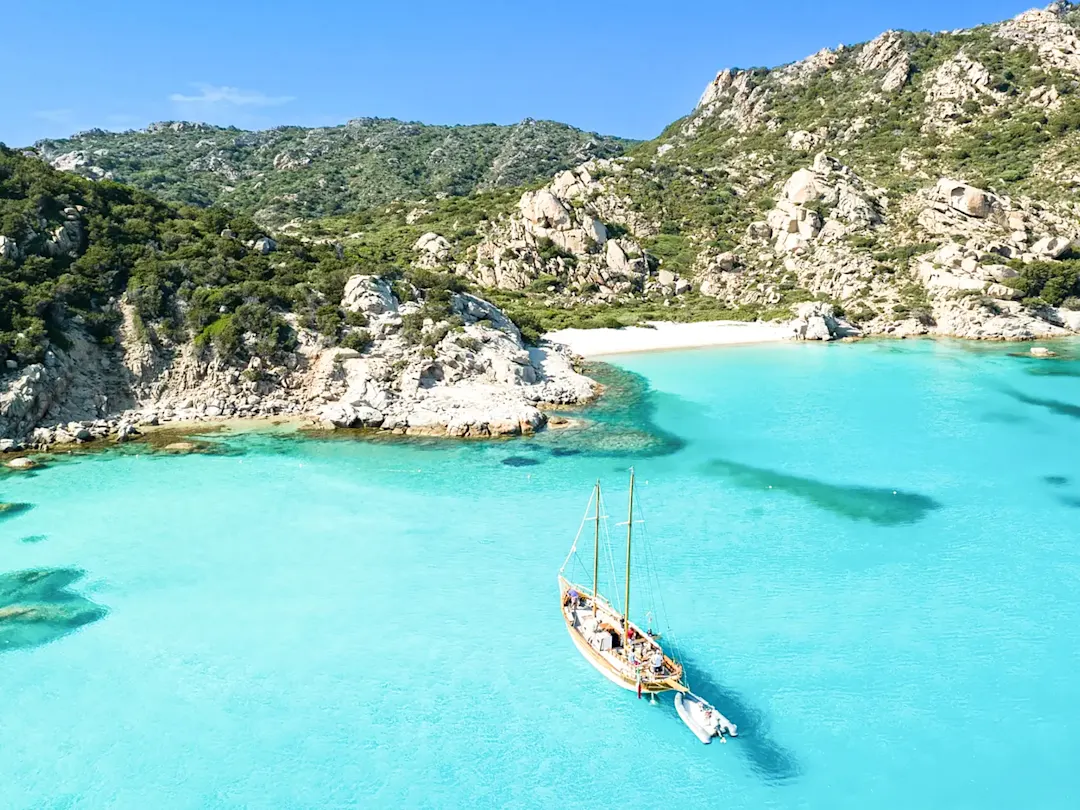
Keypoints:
pixel 126 432
pixel 520 461
pixel 37 607
pixel 1055 406
pixel 883 506
pixel 179 447
pixel 10 510
pixel 22 463
pixel 620 423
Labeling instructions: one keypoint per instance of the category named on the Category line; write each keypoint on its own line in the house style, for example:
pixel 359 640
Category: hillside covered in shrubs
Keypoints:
pixel 74 250
pixel 285 173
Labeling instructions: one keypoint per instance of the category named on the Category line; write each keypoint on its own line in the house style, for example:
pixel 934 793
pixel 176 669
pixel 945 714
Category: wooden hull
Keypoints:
pixel 601 666
pixel 619 675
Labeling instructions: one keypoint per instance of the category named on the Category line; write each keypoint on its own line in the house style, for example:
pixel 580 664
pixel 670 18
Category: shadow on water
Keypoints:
pixel 37 607
pixel 768 759
pixel 520 461
pixel 1057 370
pixel 884 507
pixel 10 510
pixel 564 452
pixel 1004 418
pixel 621 422
pixel 1056 480
pixel 1072 501
pixel 1053 405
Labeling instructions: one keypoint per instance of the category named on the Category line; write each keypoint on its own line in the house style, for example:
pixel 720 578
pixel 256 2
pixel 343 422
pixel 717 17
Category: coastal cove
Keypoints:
pixel 228 629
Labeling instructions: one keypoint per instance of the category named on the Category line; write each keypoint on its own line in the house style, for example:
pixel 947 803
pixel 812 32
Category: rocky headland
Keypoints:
pixel 471 375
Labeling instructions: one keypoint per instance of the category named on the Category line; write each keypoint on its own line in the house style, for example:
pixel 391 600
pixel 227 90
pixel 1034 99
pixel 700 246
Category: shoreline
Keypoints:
pixel 668 336
pixel 184 436
pixel 180 436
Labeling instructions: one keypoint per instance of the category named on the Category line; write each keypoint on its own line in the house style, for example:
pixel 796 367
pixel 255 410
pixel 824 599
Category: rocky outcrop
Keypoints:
pixel 27 398
pixel 283 162
pixel 811 242
pixel 558 231
pixel 888 57
pixel 968 200
pixel 467 374
pixel 264 245
pixel 827 201
pixel 1051 247
pixel 8 248
pixel 957 82
pixel 976 318
pixel 369 295
pixel 79 162
pixel 479 379
pixel 801 71
pixel 1046 32
pixel 546 217
pixel 996 229
pixel 734 99
pixel 433 250
pixel 816 320
pixel 804 141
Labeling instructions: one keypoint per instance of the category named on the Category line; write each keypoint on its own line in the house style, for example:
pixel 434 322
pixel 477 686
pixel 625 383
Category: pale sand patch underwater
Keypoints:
pixel 662 335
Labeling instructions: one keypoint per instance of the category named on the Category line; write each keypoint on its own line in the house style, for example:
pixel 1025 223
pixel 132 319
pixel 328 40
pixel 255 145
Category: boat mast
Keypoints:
pixel 596 553
pixel 629 532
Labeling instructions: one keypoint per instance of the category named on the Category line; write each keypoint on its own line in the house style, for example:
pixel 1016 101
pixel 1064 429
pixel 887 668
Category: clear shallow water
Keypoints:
pixel 340 624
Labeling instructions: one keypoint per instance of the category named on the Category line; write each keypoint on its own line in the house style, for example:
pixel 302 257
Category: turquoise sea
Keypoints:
pixel 869 553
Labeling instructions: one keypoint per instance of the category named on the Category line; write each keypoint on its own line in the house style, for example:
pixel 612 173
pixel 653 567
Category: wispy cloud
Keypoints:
pixel 220 94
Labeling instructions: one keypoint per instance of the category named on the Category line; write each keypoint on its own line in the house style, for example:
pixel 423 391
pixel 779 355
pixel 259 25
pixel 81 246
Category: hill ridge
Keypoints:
pixel 347 167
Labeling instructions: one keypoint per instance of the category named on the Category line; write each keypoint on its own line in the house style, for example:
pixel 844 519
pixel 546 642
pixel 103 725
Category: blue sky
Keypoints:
pixel 626 68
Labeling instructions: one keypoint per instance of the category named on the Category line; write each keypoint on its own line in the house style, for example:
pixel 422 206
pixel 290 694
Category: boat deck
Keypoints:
pixel 601 633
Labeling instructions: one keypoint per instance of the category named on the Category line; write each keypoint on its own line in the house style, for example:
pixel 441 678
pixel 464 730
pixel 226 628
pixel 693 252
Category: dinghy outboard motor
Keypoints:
pixel 725 726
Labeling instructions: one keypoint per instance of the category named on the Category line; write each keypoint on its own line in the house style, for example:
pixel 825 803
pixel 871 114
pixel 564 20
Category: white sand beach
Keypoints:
pixel 661 335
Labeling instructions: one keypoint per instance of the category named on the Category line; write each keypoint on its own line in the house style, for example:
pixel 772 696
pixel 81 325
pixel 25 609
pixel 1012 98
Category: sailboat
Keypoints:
pixel 616 647
pixel 619 649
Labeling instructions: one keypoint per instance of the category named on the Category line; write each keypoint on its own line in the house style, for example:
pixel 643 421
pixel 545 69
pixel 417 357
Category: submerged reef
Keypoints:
pixel 38 607
pixel 520 461
pixel 882 506
pixel 10 510
pixel 621 422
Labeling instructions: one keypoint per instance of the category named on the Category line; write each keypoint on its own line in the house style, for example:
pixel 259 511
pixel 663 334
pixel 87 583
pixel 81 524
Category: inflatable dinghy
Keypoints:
pixel 702 718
